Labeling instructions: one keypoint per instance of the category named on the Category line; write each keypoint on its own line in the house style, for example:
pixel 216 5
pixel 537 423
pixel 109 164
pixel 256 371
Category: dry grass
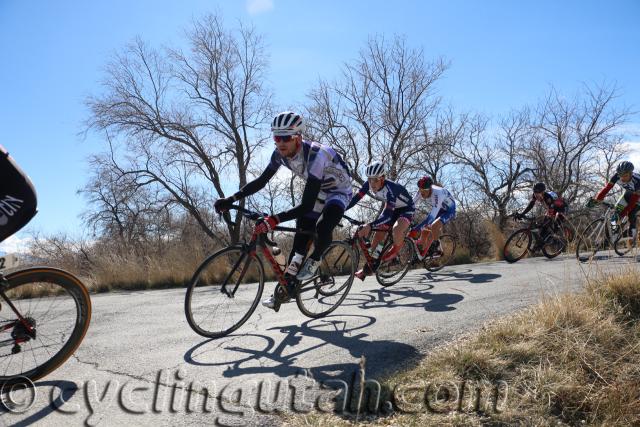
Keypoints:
pixel 497 238
pixel 573 360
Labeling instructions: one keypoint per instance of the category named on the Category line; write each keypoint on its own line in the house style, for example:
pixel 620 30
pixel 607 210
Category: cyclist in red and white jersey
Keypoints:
pixel 443 210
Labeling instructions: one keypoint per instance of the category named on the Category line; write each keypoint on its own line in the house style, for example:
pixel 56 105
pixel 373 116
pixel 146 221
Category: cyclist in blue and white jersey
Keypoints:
pixel 443 210
pixel 398 210
pixel 327 192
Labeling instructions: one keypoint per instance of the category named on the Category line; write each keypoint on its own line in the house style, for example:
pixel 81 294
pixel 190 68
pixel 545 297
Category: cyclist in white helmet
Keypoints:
pixel 399 209
pixel 327 192
pixel 443 210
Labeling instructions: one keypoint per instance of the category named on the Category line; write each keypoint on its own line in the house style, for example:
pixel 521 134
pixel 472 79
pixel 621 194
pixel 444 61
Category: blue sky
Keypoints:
pixel 503 54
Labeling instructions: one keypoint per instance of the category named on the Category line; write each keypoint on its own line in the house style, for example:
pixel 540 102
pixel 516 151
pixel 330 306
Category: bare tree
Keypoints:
pixel 438 142
pixel 187 121
pixel 121 208
pixel 572 137
pixel 494 166
pixel 379 107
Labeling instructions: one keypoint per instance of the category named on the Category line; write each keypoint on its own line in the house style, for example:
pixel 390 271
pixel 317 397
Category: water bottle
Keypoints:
pixel 279 256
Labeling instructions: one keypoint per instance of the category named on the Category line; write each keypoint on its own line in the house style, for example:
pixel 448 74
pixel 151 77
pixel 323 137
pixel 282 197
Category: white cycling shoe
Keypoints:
pixel 308 269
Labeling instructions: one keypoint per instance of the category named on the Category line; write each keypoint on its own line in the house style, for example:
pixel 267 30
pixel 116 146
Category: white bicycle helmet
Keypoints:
pixel 287 123
pixel 375 170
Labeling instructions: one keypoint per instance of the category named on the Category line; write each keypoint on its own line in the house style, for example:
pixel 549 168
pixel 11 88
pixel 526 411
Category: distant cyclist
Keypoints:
pixel 398 212
pixel 443 210
pixel 327 192
pixel 17 196
pixel 556 205
pixel 627 204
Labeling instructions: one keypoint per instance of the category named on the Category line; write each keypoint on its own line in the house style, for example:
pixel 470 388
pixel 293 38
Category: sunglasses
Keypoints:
pixel 285 138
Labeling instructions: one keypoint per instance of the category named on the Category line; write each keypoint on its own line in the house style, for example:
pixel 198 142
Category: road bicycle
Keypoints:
pixel 544 235
pixel 44 316
pixel 601 235
pixel 387 273
pixel 226 288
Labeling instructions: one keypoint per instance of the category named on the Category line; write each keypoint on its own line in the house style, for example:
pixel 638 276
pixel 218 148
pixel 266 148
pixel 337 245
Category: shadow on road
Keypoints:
pixel 468 276
pixel 67 390
pixel 249 354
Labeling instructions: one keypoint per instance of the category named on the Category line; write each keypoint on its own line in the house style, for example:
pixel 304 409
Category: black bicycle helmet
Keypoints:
pixel 539 187
pixel 624 167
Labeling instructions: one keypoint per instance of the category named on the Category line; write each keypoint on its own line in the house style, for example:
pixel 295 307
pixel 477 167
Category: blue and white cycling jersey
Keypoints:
pixel 393 194
pixel 442 205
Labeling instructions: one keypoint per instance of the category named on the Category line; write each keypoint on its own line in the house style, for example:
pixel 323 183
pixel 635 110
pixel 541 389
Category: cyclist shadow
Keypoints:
pixel 467 276
pixel 67 390
pixel 329 334
pixel 408 296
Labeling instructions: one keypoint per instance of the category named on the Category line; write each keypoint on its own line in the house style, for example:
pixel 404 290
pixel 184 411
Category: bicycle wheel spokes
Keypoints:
pixel 45 320
pixel 517 245
pixel 326 291
pixel 391 272
pixel 224 292
pixel 553 246
pixel 592 239
pixel 443 256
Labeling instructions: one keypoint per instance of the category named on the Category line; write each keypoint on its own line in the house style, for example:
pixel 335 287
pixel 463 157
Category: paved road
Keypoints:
pixel 140 358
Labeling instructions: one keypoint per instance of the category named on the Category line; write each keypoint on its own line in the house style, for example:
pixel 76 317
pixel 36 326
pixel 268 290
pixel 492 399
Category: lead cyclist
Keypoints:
pixel 326 194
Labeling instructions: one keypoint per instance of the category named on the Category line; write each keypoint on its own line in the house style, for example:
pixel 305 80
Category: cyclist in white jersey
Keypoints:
pixel 327 193
pixel 443 210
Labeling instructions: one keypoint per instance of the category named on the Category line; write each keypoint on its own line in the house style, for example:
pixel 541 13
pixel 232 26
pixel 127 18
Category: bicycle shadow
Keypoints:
pixel 467 275
pixel 67 390
pixel 329 334
pixel 408 296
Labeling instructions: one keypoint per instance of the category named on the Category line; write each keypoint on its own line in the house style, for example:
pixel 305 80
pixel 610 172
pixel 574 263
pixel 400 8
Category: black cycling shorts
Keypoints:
pixel 17 197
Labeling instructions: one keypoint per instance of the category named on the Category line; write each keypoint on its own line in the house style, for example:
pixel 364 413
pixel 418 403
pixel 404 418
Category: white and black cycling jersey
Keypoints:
pixel 633 185
pixel 319 161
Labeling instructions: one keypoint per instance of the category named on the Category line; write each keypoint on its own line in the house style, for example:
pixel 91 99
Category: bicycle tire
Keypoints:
pixel 404 259
pixel 587 245
pixel 239 259
pixel 23 287
pixel 448 243
pixel 552 253
pixel 309 291
pixel 517 235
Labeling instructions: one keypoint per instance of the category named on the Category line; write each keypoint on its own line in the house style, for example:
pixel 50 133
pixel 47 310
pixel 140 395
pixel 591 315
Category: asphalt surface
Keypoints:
pixel 141 364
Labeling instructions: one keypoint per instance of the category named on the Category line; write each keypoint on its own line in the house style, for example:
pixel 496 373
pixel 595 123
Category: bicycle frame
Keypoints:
pixel 262 241
pixel 355 241
pixel 4 283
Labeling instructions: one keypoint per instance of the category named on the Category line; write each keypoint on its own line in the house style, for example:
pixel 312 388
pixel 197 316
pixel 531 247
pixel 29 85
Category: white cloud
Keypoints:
pixel 259 6
pixel 15 244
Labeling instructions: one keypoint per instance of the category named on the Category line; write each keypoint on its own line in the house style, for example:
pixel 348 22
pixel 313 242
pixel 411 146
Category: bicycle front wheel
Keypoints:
pixel 517 245
pixel 391 272
pixel 224 292
pixel 592 240
pixel 44 317
pixel 323 293
pixel 553 246
pixel 443 256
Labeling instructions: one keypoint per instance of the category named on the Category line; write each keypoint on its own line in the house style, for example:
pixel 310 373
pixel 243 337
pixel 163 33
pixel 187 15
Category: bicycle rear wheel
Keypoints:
pixel 443 256
pixel 391 272
pixel 517 245
pixel 224 292
pixel 44 317
pixel 323 293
